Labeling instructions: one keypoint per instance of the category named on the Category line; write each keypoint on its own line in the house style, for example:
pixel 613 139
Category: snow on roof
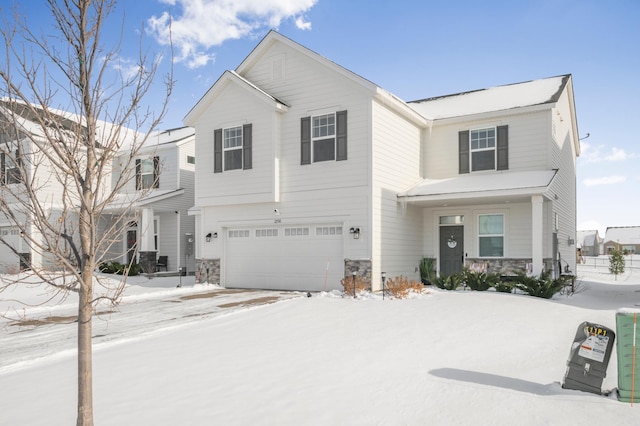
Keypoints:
pixel 498 98
pixel 171 135
pixel 482 183
pixel 623 234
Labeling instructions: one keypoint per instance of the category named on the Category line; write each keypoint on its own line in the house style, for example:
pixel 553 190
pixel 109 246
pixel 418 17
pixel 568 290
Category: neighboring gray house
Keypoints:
pixel 588 243
pixel 308 173
pixel 625 238
pixel 160 225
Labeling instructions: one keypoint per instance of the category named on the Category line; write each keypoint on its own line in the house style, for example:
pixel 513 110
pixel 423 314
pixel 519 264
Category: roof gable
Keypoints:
pixel 231 77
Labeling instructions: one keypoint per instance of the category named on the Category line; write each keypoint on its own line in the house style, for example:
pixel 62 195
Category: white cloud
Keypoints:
pixel 600 153
pixel 207 23
pixel 607 180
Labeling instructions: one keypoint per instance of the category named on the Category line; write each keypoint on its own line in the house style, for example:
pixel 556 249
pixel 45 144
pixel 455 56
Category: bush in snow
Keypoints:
pixel 479 281
pixel 448 282
pixel 541 286
pixel 400 287
pixel 359 286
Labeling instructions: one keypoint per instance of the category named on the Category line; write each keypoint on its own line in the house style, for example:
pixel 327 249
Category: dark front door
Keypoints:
pixel 451 249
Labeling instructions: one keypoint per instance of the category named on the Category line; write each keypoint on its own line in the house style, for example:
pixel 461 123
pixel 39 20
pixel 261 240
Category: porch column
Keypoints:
pixel 147 247
pixel 536 234
pixel 146 230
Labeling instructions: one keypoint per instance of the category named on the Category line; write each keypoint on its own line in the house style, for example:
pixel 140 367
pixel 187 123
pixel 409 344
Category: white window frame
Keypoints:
pixel 226 139
pixel 483 149
pixel 143 182
pixel 323 137
pixel 502 235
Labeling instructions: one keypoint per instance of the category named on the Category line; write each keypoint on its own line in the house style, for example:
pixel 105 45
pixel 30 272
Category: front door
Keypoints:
pixel 451 249
pixel 132 244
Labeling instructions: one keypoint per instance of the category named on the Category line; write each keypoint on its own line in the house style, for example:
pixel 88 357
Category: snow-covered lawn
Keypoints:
pixel 442 358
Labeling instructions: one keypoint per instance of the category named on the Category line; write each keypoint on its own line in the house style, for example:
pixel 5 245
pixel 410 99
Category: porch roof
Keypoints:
pixel 488 187
pixel 126 201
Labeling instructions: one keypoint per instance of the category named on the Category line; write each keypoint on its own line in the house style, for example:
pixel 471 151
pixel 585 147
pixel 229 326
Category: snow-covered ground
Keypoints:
pixel 201 355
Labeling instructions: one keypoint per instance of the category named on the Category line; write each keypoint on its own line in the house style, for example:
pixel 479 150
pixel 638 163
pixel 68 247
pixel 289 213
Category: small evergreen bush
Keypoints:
pixel 449 282
pixel 120 269
pixel 541 286
pixel 616 262
pixel 479 281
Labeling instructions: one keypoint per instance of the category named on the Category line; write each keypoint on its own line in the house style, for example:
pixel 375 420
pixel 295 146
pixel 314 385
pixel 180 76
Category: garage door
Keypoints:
pixel 284 257
pixel 9 261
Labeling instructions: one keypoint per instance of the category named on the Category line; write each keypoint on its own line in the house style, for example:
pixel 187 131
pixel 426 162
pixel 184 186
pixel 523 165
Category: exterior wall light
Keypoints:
pixel 355 231
pixel 208 237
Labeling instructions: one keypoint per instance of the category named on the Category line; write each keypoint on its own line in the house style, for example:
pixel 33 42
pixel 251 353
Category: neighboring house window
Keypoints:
pixel 10 168
pixel 148 173
pixel 191 159
pixel 232 148
pixel 491 235
pixel 323 138
pixel 483 149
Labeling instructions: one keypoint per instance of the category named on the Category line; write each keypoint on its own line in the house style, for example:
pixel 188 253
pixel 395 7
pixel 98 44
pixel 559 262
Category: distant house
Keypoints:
pixel 159 224
pixel 22 163
pixel 308 173
pixel 625 238
pixel 588 243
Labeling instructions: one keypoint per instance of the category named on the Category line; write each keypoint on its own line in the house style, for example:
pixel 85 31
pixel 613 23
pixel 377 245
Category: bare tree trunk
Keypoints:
pixel 85 359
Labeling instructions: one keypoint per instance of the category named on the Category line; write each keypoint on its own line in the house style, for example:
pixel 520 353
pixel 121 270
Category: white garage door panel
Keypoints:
pixel 284 262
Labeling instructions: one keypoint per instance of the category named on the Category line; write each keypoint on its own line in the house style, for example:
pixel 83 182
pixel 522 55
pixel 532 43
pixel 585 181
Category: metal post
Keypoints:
pixel 384 277
pixel 354 283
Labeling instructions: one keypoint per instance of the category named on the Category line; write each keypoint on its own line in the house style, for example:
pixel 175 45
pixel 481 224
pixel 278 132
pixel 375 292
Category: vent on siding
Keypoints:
pixel 277 68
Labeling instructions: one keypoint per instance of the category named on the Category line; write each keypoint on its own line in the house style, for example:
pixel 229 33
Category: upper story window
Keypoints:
pixel 323 138
pixel 148 173
pixel 232 148
pixel 483 149
pixel 10 168
pixel 191 159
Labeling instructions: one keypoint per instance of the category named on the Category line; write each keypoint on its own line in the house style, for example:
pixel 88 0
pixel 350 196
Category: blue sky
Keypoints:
pixel 418 49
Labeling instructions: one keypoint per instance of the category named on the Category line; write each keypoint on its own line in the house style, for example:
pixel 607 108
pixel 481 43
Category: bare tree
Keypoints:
pixel 57 179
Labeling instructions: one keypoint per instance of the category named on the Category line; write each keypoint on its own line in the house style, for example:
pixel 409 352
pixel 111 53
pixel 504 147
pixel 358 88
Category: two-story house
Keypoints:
pixel 159 233
pixel 308 173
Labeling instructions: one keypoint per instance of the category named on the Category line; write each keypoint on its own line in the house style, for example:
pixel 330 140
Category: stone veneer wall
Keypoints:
pixel 362 268
pixel 208 271
pixel 503 266
pixel 148 261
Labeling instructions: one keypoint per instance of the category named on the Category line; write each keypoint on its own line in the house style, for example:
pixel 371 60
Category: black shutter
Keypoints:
pixel 305 140
pixel 246 146
pixel 503 148
pixel 463 152
pixel 138 177
pixel 217 151
pixel 156 172
pixel 341 135
pixel 2 167
pixel 18 176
